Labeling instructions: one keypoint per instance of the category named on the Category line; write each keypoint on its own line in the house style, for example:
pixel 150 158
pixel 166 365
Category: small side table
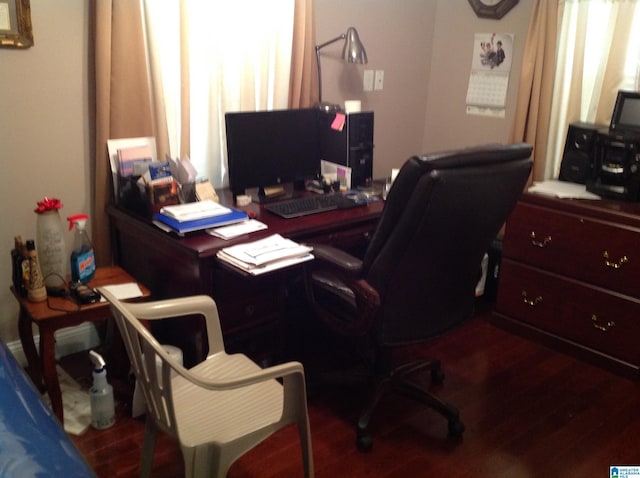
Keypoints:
pixel 54 314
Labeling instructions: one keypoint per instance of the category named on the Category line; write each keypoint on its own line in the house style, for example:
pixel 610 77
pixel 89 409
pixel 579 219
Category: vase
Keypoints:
pixel 52 251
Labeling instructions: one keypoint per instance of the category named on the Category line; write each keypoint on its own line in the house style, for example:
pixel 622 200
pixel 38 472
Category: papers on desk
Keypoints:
pixel 128 290
pixel 562 189
pixel 194 210
pixel 235 230
pixel 265 255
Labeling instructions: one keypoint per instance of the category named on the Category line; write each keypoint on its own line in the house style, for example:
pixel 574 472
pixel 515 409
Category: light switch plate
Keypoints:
pixel 378 82
pixel 367 84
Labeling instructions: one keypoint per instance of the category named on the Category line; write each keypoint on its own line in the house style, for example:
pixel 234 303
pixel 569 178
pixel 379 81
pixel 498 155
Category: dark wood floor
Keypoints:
pixel 529 412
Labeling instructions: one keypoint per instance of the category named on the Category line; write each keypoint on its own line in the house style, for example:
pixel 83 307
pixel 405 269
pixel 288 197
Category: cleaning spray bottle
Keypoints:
pixel 83 261
pixel 101 395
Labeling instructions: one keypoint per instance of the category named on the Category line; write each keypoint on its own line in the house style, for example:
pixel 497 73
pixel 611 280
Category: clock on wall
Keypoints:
pixel 492 8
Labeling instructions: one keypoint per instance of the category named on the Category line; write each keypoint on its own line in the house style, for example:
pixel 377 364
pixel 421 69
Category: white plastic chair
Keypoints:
pixel 220 408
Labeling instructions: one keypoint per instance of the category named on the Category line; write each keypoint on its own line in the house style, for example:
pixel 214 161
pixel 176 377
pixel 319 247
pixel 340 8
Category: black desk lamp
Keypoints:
pixel 352 52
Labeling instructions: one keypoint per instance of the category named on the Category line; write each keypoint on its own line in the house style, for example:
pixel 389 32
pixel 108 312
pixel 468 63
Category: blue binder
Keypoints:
pixel 200 224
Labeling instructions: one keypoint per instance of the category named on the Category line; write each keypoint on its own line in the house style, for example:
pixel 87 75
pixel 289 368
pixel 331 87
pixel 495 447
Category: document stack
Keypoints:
pixel 196 216
pixel 265 255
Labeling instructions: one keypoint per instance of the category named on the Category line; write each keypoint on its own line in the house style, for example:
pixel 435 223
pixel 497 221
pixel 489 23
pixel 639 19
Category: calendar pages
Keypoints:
pixel 489 78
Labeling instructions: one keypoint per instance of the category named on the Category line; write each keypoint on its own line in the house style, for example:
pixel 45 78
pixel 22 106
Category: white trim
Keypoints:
pixel 68 341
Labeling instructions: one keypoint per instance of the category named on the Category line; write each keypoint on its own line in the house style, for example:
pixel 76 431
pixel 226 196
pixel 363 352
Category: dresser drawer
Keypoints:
pixel 589 316
pixel 591 250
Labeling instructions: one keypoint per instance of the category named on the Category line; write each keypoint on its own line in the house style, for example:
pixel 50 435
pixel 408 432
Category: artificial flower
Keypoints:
pixel 48 204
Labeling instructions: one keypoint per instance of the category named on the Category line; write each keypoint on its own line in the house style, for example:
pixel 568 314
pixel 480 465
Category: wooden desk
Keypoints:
pixel 54 314
pixel 250 308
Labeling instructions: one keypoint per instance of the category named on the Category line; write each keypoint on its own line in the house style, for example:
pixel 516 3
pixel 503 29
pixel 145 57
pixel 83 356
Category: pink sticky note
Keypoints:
pixel 338 122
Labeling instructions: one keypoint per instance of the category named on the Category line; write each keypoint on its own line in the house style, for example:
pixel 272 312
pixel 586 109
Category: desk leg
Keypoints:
pixel 25 331
pixel 48 364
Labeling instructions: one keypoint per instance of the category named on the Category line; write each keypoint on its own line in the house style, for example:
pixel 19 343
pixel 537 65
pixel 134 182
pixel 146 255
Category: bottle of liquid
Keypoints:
pixel 36 291
pixel 19 265
pixel 52 250
pixel 83 261
pixel 103 413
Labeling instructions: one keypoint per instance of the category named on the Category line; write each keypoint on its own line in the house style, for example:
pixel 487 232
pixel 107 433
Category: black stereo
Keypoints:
pixel 579 152
pixel 616 167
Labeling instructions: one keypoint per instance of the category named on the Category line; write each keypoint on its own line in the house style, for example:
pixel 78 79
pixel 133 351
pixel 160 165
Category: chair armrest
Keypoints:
pixel 336 258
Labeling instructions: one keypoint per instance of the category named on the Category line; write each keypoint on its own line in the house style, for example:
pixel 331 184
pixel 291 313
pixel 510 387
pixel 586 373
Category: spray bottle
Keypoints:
pixel 101 395
pixel 83 262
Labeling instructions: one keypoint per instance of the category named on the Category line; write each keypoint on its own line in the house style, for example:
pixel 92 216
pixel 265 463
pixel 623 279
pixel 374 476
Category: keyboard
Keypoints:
pixel 303 206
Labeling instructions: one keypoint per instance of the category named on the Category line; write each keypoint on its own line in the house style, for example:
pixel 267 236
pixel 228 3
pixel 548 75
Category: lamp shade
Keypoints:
pixel 353 50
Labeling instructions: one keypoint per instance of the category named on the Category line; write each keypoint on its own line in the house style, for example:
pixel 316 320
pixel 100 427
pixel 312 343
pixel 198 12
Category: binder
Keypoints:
pixel 182 227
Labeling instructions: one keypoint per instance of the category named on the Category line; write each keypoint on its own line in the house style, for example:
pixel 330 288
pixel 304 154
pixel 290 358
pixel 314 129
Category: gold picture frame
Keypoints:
pixel 15 24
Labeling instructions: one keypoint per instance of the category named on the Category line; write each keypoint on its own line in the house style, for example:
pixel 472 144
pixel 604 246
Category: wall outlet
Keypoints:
pixel 367 84
pixel 378 82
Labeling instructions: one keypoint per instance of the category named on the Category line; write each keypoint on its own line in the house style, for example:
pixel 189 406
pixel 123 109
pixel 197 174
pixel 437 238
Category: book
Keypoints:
pixel 131 157
pixel 183 227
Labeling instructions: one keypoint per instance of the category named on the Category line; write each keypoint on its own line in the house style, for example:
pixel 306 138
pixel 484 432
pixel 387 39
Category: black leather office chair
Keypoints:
pixel 418 276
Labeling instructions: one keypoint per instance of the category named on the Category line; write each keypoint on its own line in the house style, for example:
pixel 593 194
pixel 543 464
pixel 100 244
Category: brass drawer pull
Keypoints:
pixel 614 264
pixel 598 324
pixel 530 302
pixel 544 243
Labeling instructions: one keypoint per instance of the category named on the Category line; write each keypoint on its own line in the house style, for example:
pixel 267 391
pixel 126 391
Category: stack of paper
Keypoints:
pixel 264 255
pixel 196 216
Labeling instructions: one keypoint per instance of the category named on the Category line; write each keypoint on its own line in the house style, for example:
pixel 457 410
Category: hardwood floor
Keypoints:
pixel 529 412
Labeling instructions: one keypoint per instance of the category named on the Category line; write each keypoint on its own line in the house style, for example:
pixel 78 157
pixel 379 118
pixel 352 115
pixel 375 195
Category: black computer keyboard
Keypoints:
pixel 306 205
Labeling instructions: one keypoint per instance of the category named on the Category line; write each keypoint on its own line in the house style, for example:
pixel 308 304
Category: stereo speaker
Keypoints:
pixel 579 153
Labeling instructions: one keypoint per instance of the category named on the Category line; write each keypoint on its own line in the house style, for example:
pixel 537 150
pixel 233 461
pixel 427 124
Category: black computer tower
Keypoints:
pixel 351 145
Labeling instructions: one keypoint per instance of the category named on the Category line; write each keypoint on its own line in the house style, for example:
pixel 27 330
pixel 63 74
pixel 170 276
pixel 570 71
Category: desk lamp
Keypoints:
pixel 352 52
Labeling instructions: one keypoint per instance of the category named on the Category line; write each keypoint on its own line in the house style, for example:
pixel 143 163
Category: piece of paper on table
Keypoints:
pixel 562 189
pixel 128 290
pixel 235 230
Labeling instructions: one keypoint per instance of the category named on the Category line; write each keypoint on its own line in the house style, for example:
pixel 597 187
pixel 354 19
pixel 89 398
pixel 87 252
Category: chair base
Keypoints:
pixel 398 381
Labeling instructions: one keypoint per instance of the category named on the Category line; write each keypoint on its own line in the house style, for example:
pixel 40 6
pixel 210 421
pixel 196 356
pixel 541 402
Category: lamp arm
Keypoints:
pixel 318 48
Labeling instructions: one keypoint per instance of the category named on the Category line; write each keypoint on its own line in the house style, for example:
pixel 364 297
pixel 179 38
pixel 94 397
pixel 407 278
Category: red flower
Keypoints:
pixel 48 204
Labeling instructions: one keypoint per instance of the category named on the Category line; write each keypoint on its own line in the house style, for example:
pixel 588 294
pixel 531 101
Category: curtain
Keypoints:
pixel 578 53
pixel 172 69
pixel 531 123
pixel 597 44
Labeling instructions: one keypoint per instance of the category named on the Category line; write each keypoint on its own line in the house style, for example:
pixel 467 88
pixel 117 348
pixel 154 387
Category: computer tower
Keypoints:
pixel 350 145
pixel 579 153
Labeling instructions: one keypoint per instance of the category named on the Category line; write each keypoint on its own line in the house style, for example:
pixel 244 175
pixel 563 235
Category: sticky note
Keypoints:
pixel 338 122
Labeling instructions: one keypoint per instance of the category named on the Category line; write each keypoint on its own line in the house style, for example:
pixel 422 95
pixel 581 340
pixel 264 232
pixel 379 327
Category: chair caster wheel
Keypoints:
pixel 437 376
pixel 364 442
pixel 456 428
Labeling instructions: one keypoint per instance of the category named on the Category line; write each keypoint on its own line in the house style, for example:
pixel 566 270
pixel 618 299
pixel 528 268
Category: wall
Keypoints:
pixel 44 130
pixel 424 47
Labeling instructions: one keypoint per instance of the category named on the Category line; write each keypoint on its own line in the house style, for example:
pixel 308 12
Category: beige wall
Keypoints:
pixel 424 47
pixel 44 130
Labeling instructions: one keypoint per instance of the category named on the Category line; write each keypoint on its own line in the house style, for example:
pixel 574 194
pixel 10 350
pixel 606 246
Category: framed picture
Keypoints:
pixel 15 24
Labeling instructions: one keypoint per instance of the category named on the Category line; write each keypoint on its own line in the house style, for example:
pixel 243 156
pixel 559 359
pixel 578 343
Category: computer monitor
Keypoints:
pixel 626 114
pixel 271 148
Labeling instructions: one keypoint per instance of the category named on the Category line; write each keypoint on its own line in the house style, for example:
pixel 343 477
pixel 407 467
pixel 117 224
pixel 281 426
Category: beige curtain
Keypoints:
pixel 123 107
pixel 536 83
pixel 129 105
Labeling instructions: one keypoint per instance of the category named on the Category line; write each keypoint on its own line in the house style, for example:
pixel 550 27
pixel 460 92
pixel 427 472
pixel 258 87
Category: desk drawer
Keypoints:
pixel 587 315
pixel 575 246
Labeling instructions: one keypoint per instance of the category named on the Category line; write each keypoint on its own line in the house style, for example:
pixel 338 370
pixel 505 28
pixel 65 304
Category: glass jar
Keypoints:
pixel 52 251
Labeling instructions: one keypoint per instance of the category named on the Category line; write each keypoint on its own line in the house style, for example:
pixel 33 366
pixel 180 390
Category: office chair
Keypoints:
pixel 418 275
pixel 220 408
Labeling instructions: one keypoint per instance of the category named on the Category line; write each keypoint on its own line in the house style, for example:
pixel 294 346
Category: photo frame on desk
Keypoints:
pixel 15 24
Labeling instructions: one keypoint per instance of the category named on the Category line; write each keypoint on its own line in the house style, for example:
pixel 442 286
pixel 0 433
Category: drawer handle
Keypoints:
pixel 531 302
pixel 544 243
pixel 614 264
pixel 598 324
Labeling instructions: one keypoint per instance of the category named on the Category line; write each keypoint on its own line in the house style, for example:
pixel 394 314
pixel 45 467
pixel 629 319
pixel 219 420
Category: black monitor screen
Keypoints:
pixel 268 148
pixel 626 113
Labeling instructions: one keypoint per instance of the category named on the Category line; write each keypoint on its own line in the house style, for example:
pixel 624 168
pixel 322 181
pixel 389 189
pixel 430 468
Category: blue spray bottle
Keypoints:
pixel 83 261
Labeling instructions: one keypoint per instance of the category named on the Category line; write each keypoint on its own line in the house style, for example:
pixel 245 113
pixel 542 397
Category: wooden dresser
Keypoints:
pixel 570 277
